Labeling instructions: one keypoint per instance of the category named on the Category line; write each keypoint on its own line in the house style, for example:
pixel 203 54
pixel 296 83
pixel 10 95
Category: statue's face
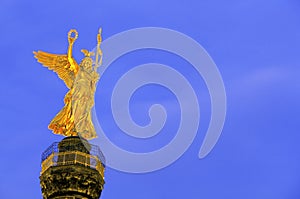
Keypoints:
pixel 87 63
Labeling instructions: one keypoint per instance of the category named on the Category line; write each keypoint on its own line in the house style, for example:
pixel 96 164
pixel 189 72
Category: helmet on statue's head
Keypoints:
pixel 87 61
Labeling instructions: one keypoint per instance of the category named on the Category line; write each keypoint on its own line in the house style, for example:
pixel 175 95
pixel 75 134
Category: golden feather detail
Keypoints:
pixel 59 64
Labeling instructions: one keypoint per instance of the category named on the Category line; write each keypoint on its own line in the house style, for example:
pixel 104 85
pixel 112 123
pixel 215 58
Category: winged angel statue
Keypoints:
pixel 75 117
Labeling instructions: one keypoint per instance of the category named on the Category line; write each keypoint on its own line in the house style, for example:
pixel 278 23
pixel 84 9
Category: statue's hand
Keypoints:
pixel 71 40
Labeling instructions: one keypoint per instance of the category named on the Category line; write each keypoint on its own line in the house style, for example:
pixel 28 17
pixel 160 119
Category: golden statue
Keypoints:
pixel 75 117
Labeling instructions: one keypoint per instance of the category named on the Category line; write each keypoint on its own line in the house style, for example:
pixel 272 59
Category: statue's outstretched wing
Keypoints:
pixel 59 64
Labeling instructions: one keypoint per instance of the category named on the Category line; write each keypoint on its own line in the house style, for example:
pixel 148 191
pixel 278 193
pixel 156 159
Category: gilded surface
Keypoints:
pixel 75 117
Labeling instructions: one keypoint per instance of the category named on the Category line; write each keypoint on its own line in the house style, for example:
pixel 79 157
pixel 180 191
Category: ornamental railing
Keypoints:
pixel 71 151
pixel 71 158
pixel 93 150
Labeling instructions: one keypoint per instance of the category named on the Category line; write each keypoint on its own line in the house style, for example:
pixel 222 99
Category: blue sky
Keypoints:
pixel 255 45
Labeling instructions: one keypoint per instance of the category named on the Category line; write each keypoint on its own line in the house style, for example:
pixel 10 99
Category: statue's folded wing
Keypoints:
pixel 59 64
